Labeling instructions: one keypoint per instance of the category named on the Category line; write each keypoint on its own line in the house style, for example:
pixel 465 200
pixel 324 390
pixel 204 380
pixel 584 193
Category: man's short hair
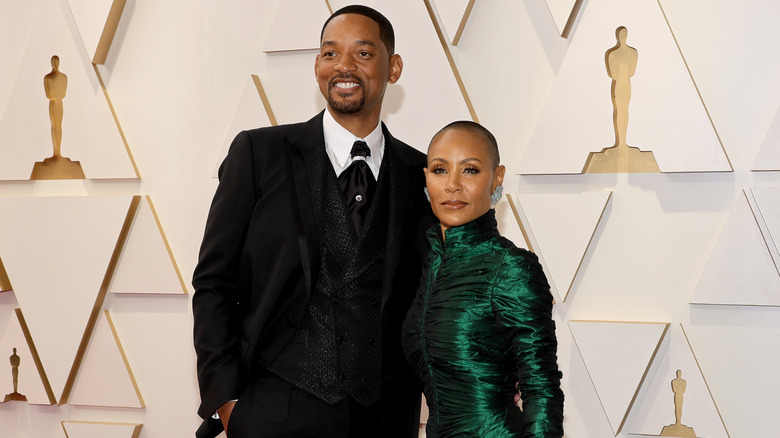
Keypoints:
pixel 478 130
pixel 386 33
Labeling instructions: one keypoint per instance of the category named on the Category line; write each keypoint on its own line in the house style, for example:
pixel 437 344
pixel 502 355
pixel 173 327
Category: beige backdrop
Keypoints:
pixel 176 74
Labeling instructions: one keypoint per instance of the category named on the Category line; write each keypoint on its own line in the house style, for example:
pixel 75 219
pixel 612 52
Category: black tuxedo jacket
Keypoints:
pixel 260 257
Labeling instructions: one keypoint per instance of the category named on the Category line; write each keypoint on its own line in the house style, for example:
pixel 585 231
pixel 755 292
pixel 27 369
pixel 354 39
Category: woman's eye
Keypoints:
pixel 438 170
pixel 471 170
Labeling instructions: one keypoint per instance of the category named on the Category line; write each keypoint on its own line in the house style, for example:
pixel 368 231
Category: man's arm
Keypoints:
pixel 215 304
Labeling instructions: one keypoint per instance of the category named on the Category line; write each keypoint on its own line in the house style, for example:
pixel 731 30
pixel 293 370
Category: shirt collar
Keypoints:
pixel 338 142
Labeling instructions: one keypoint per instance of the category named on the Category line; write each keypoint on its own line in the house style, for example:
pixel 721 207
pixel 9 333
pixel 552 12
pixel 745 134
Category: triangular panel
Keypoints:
pixel 60 250
pixel 254 111
pixel 560 227
pixel 97 21
pixel 454 14
pixel 146 264
pixel 740 270
pixel 666 115
pixel 768 157
pixel 5 282
pixel 617 356
pixel 86 429
pixel 105 377
pixel 89 131
pixel 32 384
pixel 564 13
pixel 768 211
pixel 297 26
pixel 656 406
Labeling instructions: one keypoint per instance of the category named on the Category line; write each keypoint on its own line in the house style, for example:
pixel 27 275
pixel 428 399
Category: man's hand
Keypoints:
pixel 224 413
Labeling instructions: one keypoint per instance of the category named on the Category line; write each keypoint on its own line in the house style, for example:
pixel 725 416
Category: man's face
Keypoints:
pixel 353 66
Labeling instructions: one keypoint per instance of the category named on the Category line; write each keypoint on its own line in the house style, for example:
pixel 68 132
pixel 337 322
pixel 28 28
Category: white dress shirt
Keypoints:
pixel 339 141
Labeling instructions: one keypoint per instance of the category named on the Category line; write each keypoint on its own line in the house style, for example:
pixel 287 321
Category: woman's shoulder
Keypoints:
pixel 519 265
pixel 514 255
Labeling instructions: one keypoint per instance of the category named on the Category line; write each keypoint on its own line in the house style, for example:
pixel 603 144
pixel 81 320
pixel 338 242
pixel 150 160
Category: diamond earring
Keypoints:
pixel 427 196
pixel 496 196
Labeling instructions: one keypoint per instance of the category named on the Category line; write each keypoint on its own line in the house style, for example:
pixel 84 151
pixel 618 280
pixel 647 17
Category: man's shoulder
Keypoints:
pixel 275 131
pixel 405 151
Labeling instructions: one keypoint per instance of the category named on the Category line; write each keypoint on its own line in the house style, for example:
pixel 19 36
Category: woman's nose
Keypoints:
pixel 453 184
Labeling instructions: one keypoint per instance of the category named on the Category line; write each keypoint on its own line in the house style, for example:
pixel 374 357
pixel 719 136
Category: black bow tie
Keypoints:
pixel 358 183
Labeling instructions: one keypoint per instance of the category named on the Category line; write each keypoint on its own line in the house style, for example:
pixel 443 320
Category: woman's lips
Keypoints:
pixel 454 205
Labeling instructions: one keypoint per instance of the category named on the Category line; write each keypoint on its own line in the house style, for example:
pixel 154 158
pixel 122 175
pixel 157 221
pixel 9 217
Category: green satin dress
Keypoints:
pixel 481 322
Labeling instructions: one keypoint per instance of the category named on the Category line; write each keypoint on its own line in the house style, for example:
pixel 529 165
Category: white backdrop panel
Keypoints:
pixel 666 114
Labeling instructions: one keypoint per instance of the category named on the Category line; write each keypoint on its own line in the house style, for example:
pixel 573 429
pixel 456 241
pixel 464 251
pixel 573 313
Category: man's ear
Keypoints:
pixel 396 67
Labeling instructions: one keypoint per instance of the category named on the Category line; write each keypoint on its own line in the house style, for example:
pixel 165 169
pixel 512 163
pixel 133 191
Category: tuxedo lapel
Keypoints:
pixel 400 175
pixel 306 169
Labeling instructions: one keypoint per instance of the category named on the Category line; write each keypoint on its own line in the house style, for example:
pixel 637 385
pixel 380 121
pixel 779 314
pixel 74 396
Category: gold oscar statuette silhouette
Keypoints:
pixel 621 63
pixel 678 429
pixel 55 84
pixel 15 396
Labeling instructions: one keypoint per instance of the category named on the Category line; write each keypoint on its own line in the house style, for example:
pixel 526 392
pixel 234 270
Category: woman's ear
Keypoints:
pixel 498 178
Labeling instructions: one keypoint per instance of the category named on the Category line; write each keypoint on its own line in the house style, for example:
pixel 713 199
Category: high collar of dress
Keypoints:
pixel 466 235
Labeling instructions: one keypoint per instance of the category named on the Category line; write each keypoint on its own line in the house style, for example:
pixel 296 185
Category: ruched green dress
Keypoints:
pixel 481 322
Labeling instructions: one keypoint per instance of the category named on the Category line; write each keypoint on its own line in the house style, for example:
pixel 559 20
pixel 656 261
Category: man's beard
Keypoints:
pixel 341 106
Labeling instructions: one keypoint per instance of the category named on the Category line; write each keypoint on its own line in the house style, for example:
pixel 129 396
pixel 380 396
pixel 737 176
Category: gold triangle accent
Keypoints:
pixel 446 47
pixel 167 245
pixel 116 120
pixel 5 283
pixel 124 358
pixel 93 317
pixel 575 11
pixel 264 99
pixel 647 367
pixel 36 357
pixel 520 222
pixel 109 30
pixel 136 426
pixel 462 25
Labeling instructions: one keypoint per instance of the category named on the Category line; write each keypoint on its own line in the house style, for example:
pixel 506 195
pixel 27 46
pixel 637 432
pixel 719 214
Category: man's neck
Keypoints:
pixel 359 124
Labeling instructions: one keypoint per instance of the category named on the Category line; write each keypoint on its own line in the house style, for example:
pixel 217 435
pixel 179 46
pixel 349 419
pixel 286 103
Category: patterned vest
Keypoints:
pixel 337 349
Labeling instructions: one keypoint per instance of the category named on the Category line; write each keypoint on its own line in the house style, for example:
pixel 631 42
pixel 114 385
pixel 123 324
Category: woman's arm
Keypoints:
pixel 522 305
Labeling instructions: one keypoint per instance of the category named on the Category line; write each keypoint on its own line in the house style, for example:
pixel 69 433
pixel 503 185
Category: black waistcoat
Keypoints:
pixel 337 350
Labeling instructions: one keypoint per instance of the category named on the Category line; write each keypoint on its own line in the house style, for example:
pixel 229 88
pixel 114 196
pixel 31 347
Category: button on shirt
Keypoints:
pixel 338 145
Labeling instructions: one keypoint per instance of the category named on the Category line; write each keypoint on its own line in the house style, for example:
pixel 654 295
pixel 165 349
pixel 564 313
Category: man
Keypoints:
pixel 300 290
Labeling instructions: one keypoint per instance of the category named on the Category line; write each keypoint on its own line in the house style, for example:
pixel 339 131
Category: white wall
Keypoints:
pixel 175 75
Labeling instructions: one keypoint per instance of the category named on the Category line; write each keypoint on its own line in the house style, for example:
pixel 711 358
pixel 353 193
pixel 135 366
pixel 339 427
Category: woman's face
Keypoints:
pixel 460 177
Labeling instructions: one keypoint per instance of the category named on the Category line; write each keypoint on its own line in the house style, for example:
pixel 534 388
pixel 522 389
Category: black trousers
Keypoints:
pixel 270 407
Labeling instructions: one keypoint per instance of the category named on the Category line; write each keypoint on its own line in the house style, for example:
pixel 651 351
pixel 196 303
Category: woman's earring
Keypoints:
pixel 496 196
pixel 427 196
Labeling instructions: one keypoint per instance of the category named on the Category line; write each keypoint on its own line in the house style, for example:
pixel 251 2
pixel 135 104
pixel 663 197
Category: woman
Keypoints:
pixel 481 321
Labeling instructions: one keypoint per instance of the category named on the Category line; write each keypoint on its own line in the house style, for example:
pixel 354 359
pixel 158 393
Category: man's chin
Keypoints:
pixel 345 109
pixel 345 105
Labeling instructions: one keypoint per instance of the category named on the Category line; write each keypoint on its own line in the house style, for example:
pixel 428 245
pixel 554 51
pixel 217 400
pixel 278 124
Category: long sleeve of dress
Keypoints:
pixel 522 305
